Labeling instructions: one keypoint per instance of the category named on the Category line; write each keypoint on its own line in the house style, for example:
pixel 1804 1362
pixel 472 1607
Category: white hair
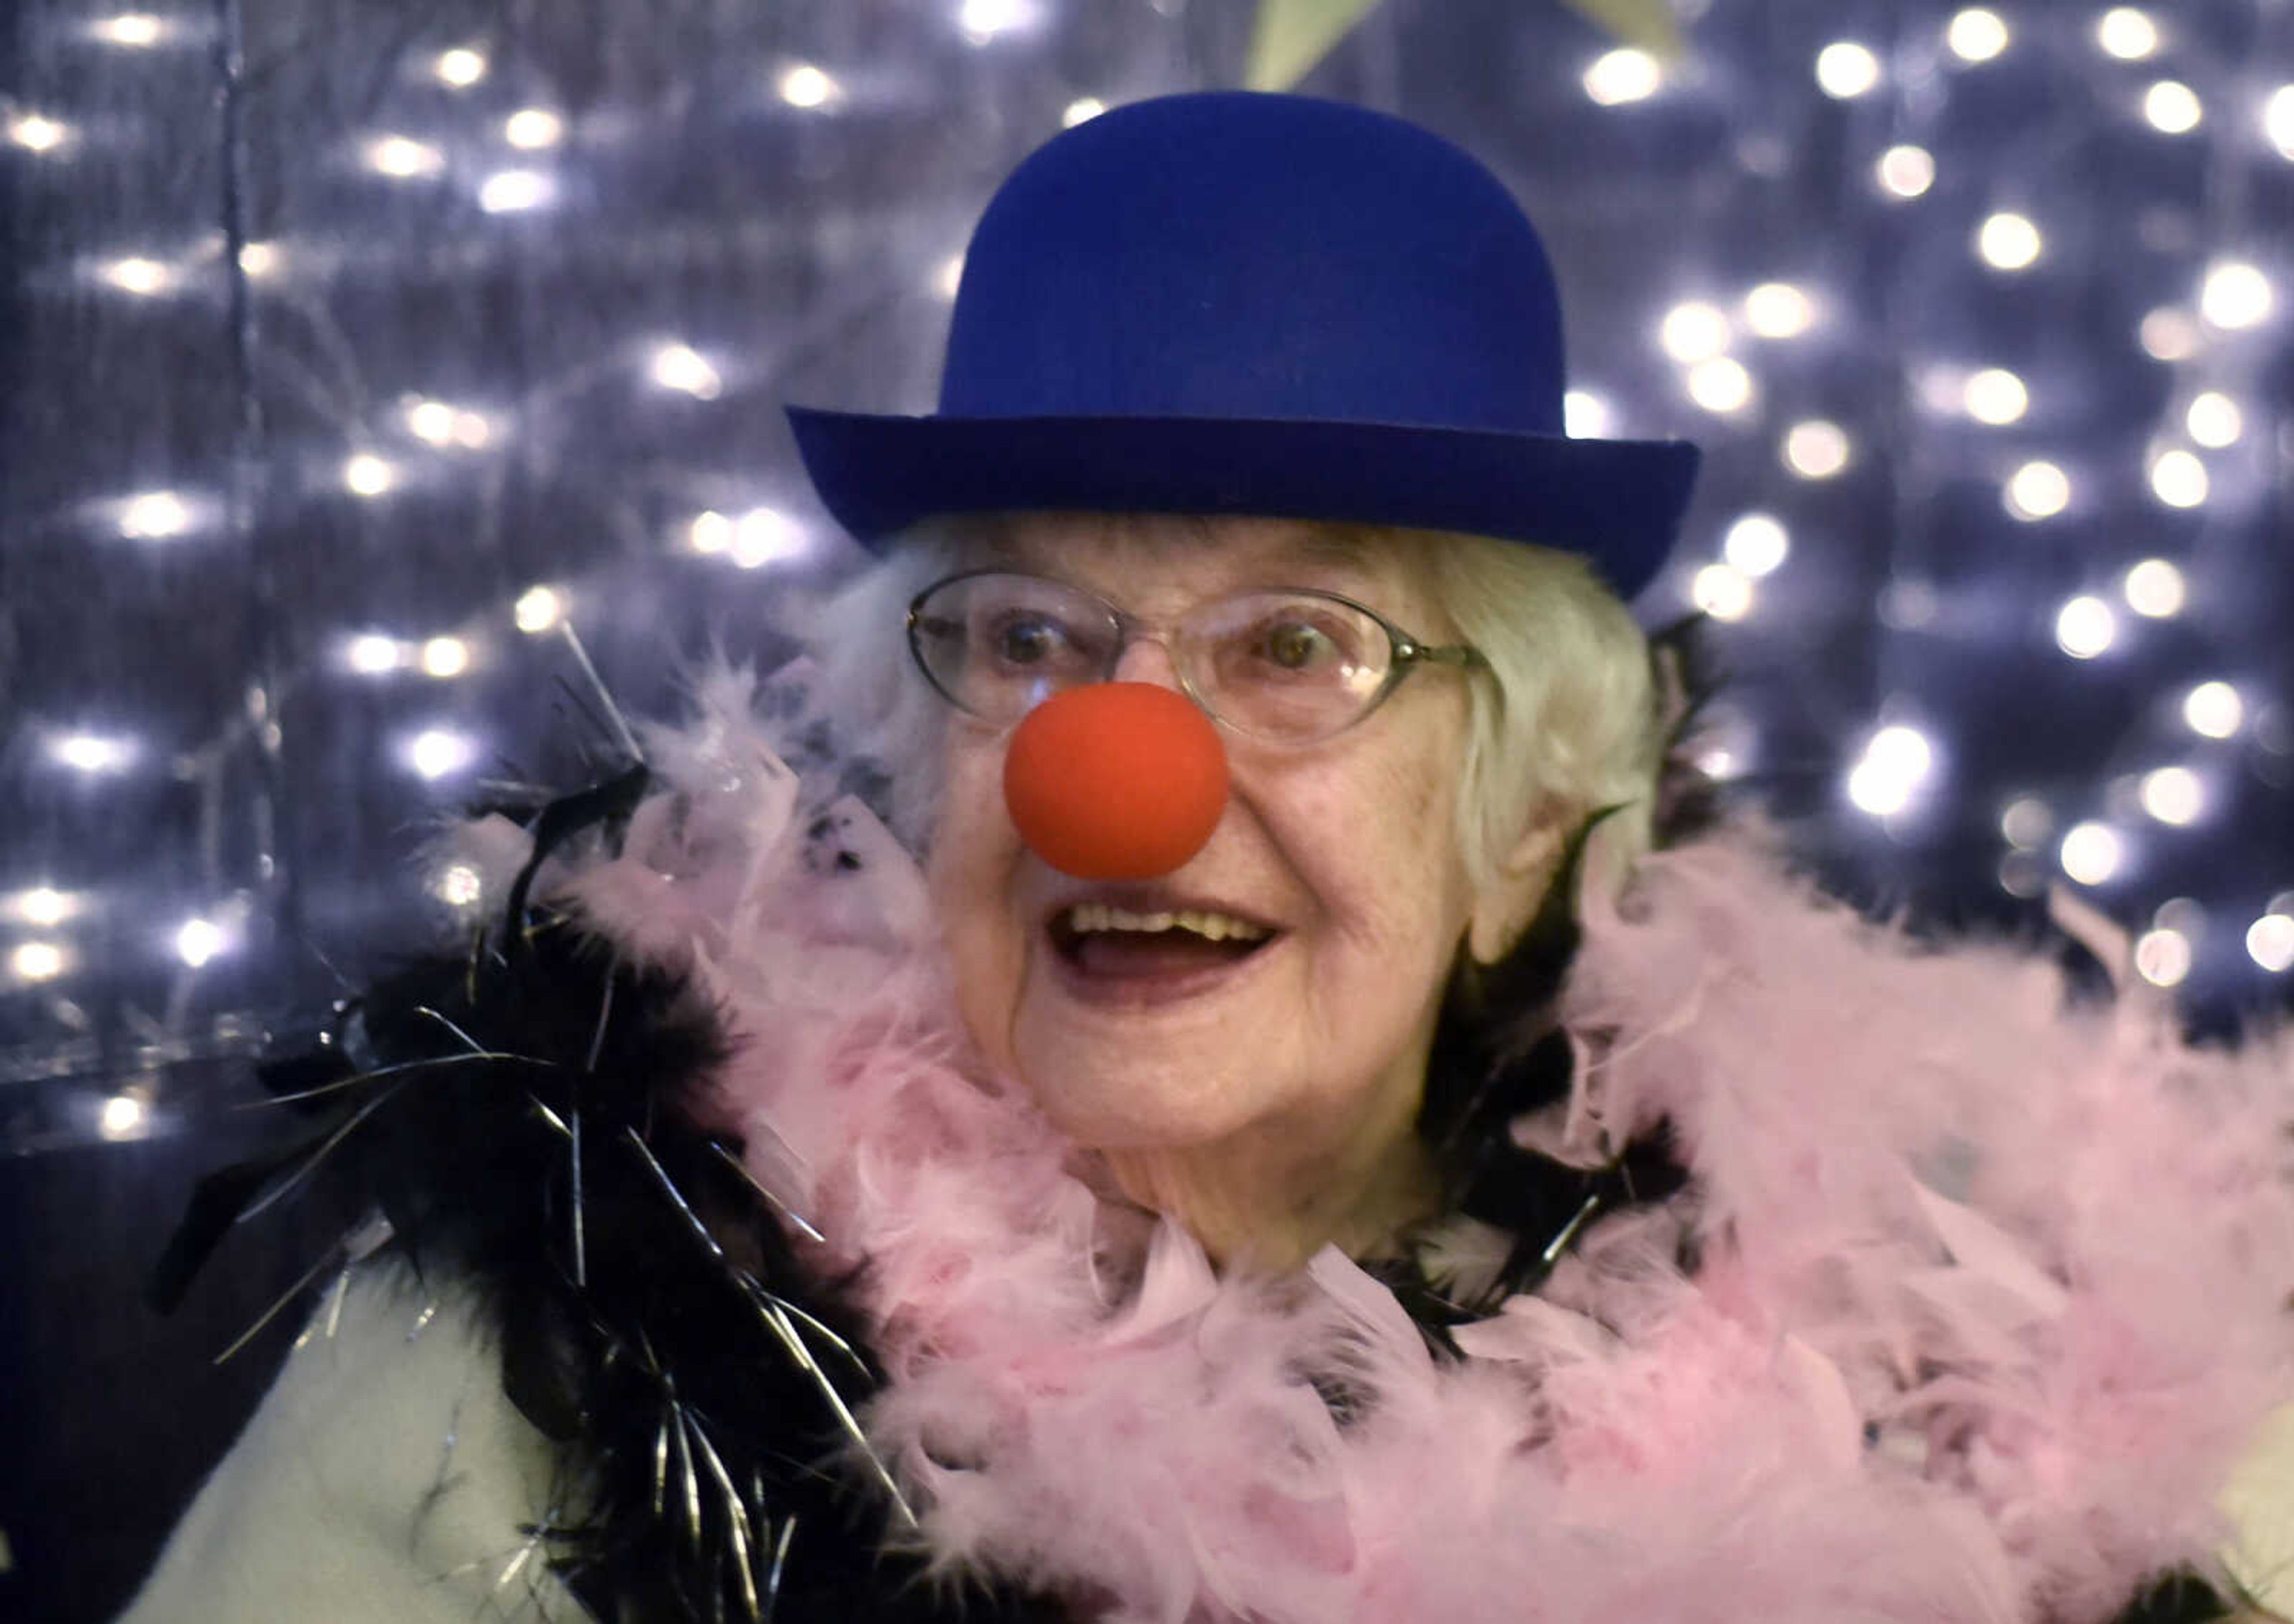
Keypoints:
pixel 1564 724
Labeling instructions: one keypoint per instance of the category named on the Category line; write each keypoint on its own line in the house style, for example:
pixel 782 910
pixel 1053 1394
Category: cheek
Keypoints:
pixel 969 871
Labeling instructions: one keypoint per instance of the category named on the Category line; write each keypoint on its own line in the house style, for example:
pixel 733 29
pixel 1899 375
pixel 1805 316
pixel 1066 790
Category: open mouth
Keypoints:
pixel 1101 942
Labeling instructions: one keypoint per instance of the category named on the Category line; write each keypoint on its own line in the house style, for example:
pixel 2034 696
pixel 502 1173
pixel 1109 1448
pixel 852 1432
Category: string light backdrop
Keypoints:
pixel 356 352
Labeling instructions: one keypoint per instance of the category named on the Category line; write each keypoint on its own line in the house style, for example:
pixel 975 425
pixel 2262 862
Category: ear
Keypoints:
pixel 1509 896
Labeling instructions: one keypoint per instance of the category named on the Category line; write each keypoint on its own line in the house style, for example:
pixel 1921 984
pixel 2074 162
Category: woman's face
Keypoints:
pixel 1344 851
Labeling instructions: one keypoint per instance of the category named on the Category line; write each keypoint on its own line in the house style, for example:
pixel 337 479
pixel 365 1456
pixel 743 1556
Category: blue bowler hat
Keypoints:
pixel 1238 304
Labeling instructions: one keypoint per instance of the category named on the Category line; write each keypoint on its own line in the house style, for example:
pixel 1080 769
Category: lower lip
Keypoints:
pixel 1151 992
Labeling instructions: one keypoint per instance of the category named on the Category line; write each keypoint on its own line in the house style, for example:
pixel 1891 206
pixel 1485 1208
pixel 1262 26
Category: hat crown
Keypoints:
pixel 1235 255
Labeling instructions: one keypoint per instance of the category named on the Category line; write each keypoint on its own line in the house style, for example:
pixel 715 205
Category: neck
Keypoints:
pixel 1269 1199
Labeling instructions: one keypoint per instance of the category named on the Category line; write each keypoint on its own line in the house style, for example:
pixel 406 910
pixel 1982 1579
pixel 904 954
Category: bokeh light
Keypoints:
pixel 2214 419
pixel 2178 478
pixel 2172 107
pixel 1721 591
pixel 2039 490
pixel 2128 33
pixel 1627 74
pixel 1846 69
pixel 1756 545
pixel 2085 627
pixel 2236 294
pixel 1817 449
pixel 2155 589
pixel 1976 35
pixel 1906 171
pixel 2214 710
pixel 2092 853
pixel 2008 241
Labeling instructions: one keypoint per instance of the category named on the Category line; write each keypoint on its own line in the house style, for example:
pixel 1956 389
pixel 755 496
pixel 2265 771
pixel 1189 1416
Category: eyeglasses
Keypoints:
pixel 1291 666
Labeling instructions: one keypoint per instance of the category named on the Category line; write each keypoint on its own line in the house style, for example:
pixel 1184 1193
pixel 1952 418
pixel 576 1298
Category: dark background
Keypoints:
pixel 214 300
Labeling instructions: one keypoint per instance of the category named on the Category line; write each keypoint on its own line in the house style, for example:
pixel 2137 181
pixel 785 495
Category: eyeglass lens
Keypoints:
pixel 1288 665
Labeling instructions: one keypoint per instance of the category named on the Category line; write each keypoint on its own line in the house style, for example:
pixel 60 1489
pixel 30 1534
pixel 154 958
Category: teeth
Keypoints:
pixel 1086 917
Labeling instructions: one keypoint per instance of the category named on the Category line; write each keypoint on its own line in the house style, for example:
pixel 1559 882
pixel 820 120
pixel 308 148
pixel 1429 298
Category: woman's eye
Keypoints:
pixel 1028 641
pixel 1295 645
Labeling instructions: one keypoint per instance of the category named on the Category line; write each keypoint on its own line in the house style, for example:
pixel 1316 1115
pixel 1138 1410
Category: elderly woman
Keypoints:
pixel 1290 1150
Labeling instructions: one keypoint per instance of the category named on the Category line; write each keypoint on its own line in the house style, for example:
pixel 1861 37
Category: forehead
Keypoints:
pixel 1129 558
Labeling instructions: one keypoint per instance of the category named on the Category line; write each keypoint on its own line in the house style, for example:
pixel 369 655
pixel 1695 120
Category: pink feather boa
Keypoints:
pixel 1990 1295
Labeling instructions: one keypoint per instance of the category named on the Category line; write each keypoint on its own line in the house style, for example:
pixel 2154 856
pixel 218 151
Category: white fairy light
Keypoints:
pixel 431 421
pixel 1627 74
pixel 403 158
pixel 35 132
pixel 445 657
pixel 2270 942
pixel 2162 957
pixel 1846 69
pixel 123 1117
pixel 2214 710
pixel 1721 591
pixel 43 905
pixel 515 192
pixel 93 753
pixel 1908 604
pixel 144 278
pixel 533 129
pixel 2172 107
pixel 949 278
pixel 461 66
pixel 2174 795
pixel 37 960
pixel 1896 763
pixel 1756 545
pixel 1693 331
pixel 1779 309
pixel 538 609
pixel 981 20
pixel 2214 421
pixel 2085 627
pixel 258 259
pixel 1585 415
pixel 1906 171
pixel 1995 397
pixel 371 654
pixel 2026 822
pixel 2155 590
pixel 2278 120
pixel 2039 490
pixel 369 476
pixel 198 941
pixel 1720 384
pixel 677 366
pixel 137 30
pixel 1976 35
pixel 155 516
pixel 473 430
pixel 2008 241
pixel 710 533
pixel 458 885
pixel 1082 110
pixel 2169 334
pixel 2092 853
pixel 803 85
pixel 2178 478
pixel 2235 295
pixel 765 535
pixel 437 752
pixel 2127 33
pixel 1816 448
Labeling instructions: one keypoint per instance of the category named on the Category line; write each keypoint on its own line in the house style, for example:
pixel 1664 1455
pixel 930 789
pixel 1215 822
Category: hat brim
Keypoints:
pixel 1618 502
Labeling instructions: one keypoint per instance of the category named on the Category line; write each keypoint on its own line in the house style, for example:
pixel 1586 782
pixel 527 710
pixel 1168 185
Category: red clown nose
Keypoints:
pixel 1117 781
